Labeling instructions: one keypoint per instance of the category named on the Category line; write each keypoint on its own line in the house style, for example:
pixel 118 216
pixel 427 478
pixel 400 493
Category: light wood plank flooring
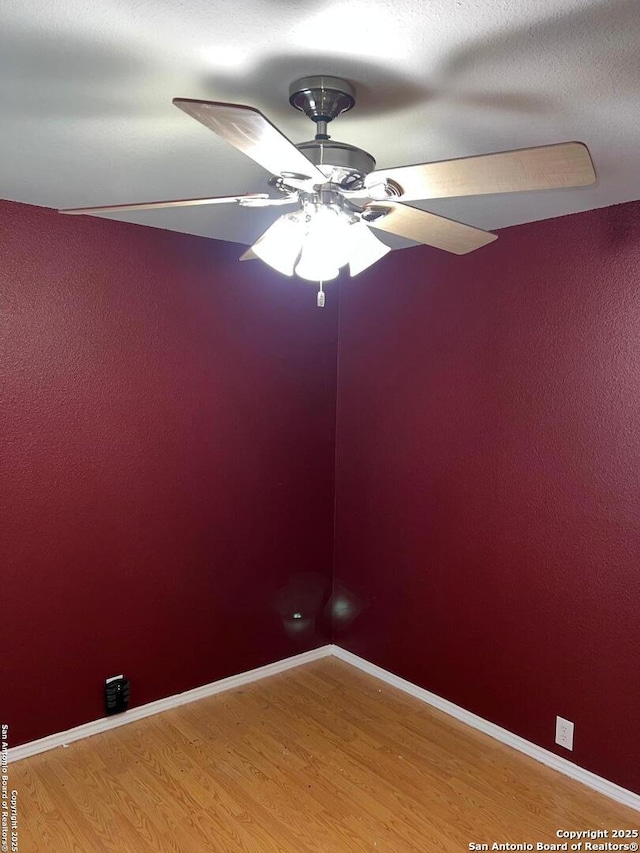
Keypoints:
pixel 320 758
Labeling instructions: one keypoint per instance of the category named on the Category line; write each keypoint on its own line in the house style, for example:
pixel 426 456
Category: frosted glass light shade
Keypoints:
pixel 281 244
pixel 316 242
pixel 326 245
pixel 316 267
pixel 364 248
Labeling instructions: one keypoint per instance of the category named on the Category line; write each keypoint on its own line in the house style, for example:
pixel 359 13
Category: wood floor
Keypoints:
pixel 320 758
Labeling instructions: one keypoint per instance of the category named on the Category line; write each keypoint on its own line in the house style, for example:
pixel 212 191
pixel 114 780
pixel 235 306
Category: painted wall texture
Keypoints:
pixel 168 423
pixel 488 485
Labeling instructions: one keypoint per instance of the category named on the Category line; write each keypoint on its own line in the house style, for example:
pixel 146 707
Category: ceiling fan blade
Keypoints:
pixel 249 255
pixel 252 133
pixel 567 164
pixel 259 201
pixel 156 205
pixel 427 228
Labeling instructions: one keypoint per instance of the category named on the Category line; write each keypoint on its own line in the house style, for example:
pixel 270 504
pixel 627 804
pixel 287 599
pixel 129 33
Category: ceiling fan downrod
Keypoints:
pixel 323 98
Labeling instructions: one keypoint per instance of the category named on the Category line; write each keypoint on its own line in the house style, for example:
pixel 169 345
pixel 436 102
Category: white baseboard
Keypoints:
pixel 597 783
pixel 26 750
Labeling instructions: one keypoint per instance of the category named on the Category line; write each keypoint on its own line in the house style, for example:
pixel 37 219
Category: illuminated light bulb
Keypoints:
pixel 364 248
pixel 326 245
pixel 280 244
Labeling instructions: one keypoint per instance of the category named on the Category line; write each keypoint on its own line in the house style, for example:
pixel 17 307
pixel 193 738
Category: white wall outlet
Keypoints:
pixel 564 732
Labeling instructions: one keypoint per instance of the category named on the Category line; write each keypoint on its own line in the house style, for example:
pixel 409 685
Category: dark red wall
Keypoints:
pixel 168 423
pixel 488 491
pixel 167 471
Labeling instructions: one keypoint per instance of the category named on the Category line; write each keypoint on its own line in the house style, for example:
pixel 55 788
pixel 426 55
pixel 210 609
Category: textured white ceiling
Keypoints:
pixel 86 89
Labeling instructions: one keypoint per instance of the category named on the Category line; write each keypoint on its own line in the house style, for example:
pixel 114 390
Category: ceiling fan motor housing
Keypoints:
pixel 342 163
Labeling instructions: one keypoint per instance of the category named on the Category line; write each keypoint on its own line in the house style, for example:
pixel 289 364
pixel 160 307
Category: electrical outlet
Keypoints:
pixel 564 732
pixel 116 694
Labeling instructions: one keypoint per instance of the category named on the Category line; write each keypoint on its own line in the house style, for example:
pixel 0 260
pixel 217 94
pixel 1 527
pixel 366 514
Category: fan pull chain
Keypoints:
pixel 321 297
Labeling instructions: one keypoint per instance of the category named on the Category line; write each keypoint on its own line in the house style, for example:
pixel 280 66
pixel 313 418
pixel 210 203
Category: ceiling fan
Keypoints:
pixel 339 196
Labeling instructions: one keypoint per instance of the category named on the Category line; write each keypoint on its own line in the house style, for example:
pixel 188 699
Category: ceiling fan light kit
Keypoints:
pixel 340 196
